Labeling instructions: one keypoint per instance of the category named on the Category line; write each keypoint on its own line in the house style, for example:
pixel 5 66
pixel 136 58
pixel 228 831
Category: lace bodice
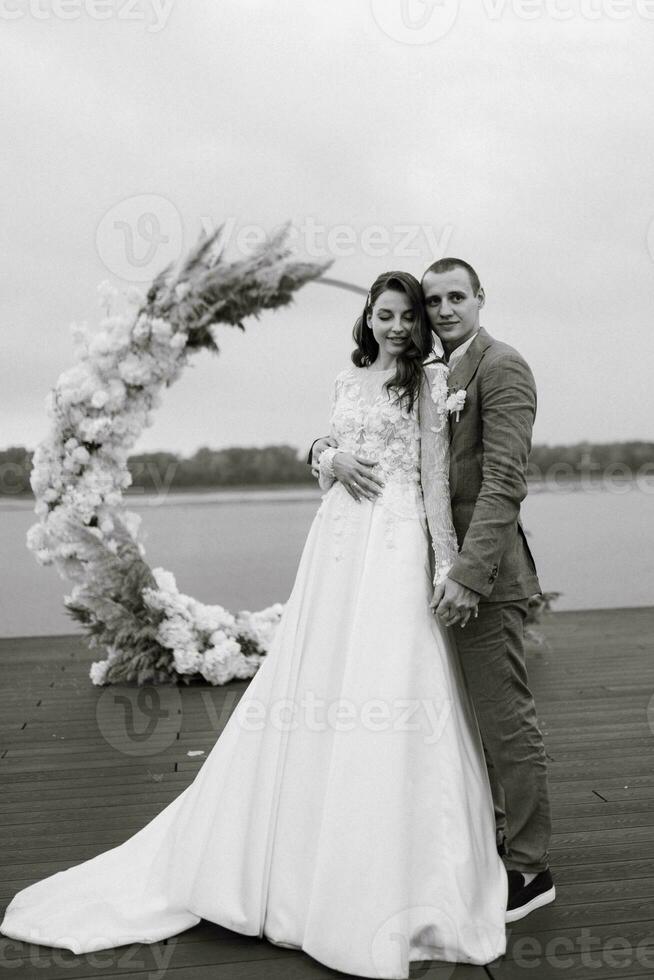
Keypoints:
pixel 367 420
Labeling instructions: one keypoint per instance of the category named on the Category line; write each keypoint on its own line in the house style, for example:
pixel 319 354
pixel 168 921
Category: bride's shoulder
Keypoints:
pixel 348 373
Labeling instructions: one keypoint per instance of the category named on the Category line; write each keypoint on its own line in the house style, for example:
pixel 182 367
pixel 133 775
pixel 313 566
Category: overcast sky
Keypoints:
pixel 390 133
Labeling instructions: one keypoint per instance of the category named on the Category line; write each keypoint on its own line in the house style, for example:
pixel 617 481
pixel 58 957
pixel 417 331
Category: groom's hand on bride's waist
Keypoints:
pixel 317 449
pixel 455 603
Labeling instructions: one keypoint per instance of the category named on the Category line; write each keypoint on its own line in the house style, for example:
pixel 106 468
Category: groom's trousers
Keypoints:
pixel 492 655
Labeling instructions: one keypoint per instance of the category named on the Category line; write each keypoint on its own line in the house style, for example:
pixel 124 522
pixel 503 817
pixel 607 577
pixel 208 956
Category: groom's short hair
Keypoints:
pixel 446 265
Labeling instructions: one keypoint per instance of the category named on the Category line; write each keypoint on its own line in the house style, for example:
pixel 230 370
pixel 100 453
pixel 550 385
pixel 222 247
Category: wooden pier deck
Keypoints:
pixel 73 784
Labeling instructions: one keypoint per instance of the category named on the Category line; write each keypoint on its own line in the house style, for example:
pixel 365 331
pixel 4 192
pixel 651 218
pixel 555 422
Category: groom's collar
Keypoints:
pixel 459 352
pixel 464 368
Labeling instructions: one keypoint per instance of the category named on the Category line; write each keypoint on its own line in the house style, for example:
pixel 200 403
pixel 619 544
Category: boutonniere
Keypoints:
pixel 455 402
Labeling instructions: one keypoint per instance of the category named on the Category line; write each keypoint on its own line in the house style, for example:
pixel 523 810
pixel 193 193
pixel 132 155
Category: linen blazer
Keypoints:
pixel 489 451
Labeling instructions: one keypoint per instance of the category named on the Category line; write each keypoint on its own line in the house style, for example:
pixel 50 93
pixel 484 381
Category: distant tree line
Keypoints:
pixel 215 468
pixel 163 471
pixel 283 466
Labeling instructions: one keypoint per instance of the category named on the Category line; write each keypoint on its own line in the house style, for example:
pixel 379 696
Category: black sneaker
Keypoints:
pixel 523 899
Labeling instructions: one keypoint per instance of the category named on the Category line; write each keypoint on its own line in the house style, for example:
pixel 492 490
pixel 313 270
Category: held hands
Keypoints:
pixel 454 603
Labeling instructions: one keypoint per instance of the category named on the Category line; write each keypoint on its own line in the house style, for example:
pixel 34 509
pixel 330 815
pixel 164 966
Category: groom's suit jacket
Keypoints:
pixel 489 451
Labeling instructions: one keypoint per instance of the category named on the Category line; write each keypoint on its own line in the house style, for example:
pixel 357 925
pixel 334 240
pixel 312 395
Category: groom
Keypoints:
pixel 486 593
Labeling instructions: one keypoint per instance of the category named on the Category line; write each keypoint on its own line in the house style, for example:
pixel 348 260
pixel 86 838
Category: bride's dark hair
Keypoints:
pixel 407 377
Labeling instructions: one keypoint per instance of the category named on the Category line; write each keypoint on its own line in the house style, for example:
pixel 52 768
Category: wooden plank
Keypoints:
pixel 154 959
pixel 592 706
pixel 524 947
pixel 557 916
pixel 600 854
pixel 237 958
pixel 562 963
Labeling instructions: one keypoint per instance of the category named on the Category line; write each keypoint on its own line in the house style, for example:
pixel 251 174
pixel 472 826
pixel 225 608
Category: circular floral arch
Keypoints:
pixel 99 407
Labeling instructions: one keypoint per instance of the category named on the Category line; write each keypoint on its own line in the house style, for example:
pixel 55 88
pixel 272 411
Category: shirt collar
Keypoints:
pixel 457 354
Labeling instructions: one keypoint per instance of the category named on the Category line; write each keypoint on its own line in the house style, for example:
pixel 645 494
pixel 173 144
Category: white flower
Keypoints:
pixel 179 340
pixel 175 606
pixel 260 626
pixel 456 401
pixel 37 542
pixel 98 671
pixel 176 634
pixel 116 392
pixel 141 329
pixel 219 639
pixel 76 385
pixel 137 370
pixel 220 663
pixel 81 455
pixel 165 580
pixel 210 618
pixel 106 524
pixel 161 330
pixel 95 430
pixel 246 667
pixel 99 398
pixel 187 661
pixel 132 522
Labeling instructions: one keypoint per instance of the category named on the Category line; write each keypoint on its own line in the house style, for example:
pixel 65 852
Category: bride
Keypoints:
pixel 345 808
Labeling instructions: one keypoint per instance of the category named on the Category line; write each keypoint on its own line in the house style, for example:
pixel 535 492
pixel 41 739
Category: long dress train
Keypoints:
pixel 345 808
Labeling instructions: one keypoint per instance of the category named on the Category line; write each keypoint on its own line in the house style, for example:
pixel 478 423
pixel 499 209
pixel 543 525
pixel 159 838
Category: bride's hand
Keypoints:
pixel 458 604
pixel 437 596
pixel 355 473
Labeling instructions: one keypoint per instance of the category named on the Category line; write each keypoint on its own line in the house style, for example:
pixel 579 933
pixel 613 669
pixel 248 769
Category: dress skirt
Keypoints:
pixel 344 809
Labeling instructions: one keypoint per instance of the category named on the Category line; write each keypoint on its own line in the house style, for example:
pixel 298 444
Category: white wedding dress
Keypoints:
pixel 345 808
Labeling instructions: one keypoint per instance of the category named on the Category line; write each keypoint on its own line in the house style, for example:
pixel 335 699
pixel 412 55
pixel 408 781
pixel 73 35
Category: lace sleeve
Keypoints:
pixel 326 476
pixel 326 468
pixel 435 467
